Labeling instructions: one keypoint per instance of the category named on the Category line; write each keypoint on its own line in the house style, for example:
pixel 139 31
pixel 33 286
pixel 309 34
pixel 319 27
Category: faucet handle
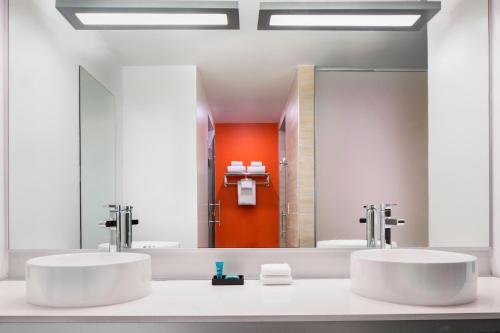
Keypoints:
pixel 107 224
pixel 113 208
pixel 395 221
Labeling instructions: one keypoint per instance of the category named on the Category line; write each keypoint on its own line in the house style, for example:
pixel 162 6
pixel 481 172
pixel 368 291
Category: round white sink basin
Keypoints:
pixel 87 279
pixel 146 245
pixel 417 277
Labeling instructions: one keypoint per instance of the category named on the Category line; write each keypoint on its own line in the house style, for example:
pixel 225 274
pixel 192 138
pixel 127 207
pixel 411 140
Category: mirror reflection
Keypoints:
pixel 97 157
pixel 384 116
pixel 246 138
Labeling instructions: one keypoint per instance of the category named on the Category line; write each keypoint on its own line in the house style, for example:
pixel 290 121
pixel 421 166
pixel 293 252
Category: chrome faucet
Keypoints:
pixel 378 230
pixel 120 227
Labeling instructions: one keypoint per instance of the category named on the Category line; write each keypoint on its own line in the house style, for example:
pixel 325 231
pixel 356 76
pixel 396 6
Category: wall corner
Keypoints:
pixel 4 76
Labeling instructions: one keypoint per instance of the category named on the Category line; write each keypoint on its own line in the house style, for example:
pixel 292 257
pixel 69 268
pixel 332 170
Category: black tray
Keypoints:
pixel 224 282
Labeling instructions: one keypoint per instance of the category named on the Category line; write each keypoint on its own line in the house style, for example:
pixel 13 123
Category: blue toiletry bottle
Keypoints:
pixel 219 268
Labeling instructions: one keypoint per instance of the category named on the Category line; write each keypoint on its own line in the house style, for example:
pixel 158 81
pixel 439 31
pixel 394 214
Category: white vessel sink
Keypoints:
pixel 87 279
pixel 146 245
pixel 417 277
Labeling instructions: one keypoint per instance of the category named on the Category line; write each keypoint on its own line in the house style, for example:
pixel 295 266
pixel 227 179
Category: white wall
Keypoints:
pixel 159 151
pixel 495 126
pixel 45 52
pixel 459 125
pixel 4 254
pixel 203 116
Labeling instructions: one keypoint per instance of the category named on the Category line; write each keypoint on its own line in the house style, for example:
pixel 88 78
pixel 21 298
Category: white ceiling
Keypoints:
pixel 248 73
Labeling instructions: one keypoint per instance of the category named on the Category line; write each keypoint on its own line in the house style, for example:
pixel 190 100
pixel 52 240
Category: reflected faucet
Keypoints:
pixel 387 222
pixel 370 220
pixel 120 227
pixel 127 230
pixel 382 224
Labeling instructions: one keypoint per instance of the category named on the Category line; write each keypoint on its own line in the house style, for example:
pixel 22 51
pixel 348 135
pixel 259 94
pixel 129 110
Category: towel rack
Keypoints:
pixel 246 175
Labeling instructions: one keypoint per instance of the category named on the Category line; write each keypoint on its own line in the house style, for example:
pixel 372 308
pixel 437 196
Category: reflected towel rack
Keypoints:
pixel 266 182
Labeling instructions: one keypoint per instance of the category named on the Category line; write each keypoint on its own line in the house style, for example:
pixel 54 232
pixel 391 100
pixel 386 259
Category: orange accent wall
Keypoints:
pixel 247 226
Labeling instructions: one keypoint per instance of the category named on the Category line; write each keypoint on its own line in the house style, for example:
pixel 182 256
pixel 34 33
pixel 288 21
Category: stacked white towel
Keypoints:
pixel 275 274
pixel 237 163
pixel 236 169
pixel 256 163
pixel 256 169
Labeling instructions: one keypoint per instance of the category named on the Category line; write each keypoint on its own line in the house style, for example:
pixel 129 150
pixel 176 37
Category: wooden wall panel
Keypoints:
pixel 305 80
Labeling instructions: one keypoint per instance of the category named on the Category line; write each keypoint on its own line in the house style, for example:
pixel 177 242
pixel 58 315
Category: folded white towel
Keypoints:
pixel 275 280
pixel 275 269
pixel 237 163
pixel 256 163
pixel 236 169
pixel 256 169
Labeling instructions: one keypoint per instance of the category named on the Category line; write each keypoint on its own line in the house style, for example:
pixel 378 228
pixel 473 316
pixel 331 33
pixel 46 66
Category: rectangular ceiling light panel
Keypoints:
pixel 149 15
pixel 369 16
pixel 149 19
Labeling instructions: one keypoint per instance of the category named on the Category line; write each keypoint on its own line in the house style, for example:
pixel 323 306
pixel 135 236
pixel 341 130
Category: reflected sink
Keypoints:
pixel 345 244
pixel 146 245
pixel 87 279
pixel 341 244
pixel 416 277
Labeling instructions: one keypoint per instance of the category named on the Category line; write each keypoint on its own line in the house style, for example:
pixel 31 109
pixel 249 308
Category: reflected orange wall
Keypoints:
pixel 247 226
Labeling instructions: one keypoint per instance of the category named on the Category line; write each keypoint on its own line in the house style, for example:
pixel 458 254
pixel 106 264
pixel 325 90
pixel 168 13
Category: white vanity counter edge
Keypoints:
pixel 198 301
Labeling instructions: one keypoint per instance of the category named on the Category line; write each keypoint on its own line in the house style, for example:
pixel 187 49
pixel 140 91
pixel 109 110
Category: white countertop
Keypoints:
pixel 198 301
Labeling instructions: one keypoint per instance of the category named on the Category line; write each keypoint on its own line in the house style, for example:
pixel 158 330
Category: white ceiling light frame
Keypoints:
pixel 150 15
pixel 357 16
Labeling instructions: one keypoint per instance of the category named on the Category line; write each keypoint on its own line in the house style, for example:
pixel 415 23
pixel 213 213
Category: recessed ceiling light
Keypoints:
pixel 394 15
pixel 158 14
pixel 344 20
pixel 134 19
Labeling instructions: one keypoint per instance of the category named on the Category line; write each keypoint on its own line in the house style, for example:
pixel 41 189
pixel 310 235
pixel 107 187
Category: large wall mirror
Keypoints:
pixel 248 139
